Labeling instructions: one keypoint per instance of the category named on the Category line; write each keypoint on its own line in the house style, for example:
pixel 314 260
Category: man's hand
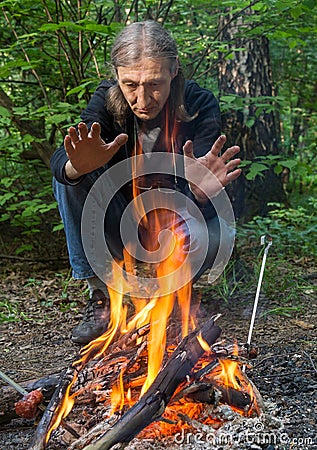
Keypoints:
pixel 221 171
pixel 86 150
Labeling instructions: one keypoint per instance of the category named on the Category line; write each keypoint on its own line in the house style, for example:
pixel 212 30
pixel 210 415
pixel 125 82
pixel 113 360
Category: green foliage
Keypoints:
pixel 293 230
pixel 54 53
pixel 10 312
pixel 261 164
pixel 25 198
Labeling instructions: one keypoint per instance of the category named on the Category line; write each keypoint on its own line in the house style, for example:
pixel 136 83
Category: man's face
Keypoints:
pixel 146 86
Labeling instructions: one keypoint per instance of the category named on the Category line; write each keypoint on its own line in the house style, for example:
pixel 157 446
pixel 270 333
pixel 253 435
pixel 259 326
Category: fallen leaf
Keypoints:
pixel 302 324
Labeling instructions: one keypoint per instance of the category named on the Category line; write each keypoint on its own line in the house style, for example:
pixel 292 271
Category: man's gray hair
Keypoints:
pixel 143 40
pixel 146 39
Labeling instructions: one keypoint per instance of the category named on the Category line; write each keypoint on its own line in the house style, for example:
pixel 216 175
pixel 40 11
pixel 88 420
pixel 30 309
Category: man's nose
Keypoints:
pixel 143 97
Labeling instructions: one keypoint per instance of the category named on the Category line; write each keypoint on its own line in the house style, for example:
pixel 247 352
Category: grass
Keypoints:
pixel 286 311
pixel 285 282
pixel 9 312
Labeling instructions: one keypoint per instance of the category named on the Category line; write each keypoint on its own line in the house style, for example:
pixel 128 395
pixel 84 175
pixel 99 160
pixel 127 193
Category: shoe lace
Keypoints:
pixel 94 309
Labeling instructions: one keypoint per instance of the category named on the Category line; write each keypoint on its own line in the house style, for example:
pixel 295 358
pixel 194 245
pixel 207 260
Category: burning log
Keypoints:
pixel 48 384
pixel 43 426
pixel 205 388
pixel 212 393
pixel 153 403
pixel 198 389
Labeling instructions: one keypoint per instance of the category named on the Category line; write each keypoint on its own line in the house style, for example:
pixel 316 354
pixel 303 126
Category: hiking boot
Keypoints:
pixel 95 319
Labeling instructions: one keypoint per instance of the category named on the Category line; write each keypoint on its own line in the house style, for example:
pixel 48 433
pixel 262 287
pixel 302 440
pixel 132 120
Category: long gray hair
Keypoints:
pixel 146 40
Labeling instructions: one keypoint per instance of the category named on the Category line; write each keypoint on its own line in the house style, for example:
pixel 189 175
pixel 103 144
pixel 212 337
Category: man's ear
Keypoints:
pixel 175 68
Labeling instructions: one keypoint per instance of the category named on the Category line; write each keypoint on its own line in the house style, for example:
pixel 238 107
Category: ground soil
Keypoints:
pixel 40 303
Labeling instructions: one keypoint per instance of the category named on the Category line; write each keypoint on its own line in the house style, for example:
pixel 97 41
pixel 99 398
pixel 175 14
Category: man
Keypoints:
pixel 152 108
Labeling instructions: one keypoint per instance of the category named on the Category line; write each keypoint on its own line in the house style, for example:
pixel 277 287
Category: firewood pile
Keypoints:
pixel 106 407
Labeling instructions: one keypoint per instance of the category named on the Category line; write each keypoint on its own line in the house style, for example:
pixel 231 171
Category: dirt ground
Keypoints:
pixel 39 305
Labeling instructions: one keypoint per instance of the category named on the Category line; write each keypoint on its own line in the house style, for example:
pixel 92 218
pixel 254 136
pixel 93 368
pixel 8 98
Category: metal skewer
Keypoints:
pixel 257 295
pixel 13 384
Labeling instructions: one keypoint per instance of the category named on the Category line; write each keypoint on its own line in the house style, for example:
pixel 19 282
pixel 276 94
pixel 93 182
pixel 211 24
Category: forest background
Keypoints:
pixel 258 57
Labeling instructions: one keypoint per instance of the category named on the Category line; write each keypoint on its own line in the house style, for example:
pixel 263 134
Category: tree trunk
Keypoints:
pixel 248 75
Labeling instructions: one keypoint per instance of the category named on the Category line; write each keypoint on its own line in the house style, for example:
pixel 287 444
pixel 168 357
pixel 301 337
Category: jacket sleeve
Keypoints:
pixel 94 112
pixel 206 126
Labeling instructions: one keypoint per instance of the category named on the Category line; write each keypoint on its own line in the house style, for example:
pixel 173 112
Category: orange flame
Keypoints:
pixel 117 395
pixel 231 376
pixel 155 311
pixel 65 408
pixel 204 344
pixel 230 373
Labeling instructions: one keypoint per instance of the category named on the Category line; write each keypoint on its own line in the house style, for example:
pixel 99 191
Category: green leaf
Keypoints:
pixel 27 138
pixel 228 98
pixel 289 163
pixel 58 118
pixel 80 88
pixel 255 170
pixel 8 181
pixel 309 3
pixel 4 217
pixel 250 122
pixel 57 26
pixel 104 30
pixel 24 248
pixel 58 227
pixel 4 112
pixel 4 198
pixel 296 12
pixel 278 169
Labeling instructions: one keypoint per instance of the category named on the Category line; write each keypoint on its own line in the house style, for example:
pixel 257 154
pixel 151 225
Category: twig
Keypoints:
pixel 21 258
pixel 311 361
pixel 268 357
pixel 26 56
pixel 29 83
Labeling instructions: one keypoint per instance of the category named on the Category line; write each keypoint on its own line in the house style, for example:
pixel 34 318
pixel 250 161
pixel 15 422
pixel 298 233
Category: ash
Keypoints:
pixel 267 432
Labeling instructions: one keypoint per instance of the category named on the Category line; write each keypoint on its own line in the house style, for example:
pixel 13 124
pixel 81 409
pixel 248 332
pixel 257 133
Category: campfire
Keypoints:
pixel 102 396
pixel 157 369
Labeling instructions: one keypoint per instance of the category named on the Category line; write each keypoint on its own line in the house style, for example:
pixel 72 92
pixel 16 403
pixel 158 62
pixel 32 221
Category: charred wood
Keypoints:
pixel 214 394
pixel 43 427
pixel 123 349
